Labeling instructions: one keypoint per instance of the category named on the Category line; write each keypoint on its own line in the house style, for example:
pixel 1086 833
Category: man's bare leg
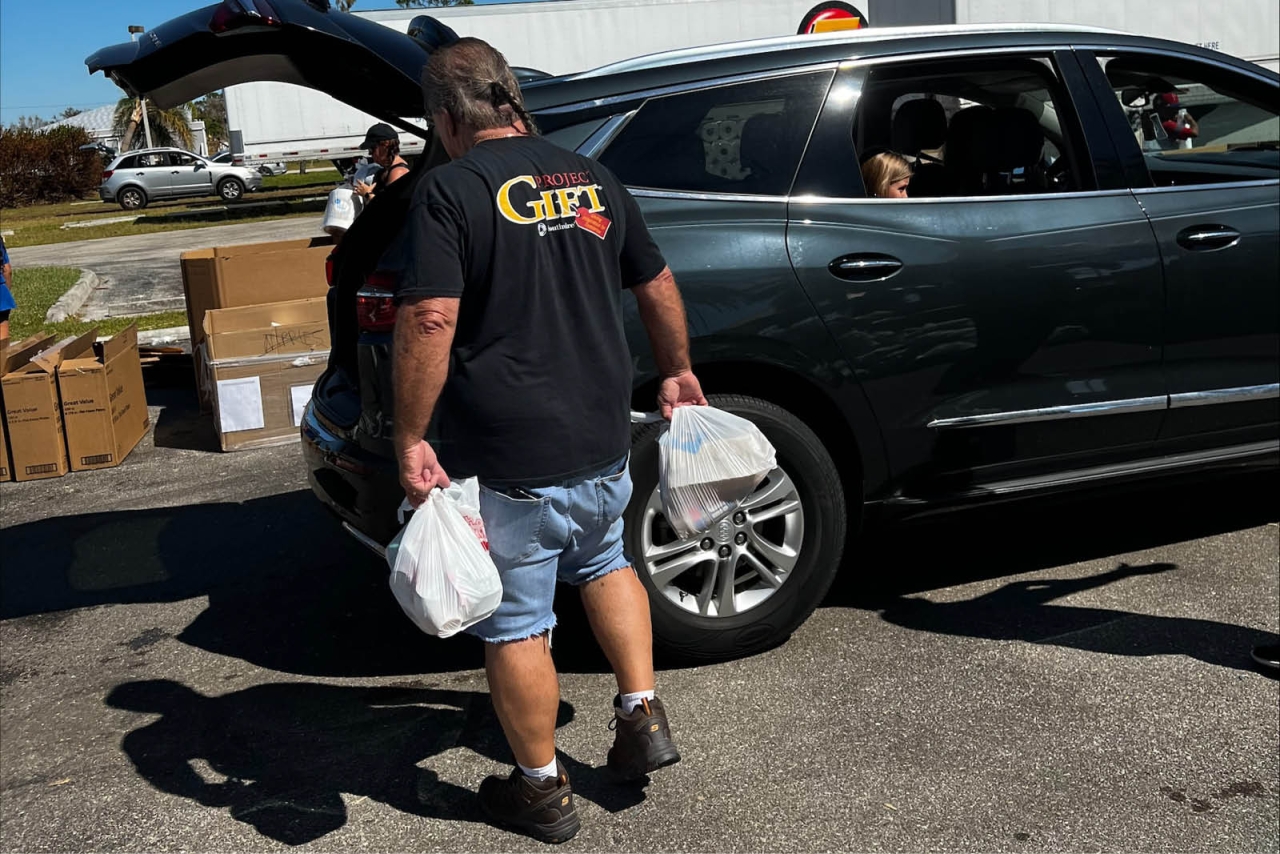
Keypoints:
pixel 618 609
pixel 526 696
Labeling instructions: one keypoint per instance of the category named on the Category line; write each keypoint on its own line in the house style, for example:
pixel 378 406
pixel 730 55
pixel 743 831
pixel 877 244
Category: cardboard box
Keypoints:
pixel 32 344
pixel 32 408
pixel 104 404
pixel 262 363
pixel 251 274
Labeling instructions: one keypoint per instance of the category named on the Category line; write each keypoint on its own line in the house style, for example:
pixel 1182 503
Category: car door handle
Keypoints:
pixel 1204 237
pixel 864 267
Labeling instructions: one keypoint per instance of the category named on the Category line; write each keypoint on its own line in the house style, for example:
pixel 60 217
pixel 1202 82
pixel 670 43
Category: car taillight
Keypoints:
pixel 233 14
pixel 328 270
pixel 375 304
pixel 107 173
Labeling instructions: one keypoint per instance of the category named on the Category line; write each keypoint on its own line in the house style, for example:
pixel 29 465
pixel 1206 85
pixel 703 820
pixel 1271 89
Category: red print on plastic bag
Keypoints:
pixel 593 222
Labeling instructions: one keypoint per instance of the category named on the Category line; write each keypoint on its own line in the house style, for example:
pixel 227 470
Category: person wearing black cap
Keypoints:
pixel 383 144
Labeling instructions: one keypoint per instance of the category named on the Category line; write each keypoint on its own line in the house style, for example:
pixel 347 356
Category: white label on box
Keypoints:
pixel 301 396
pixel 240 405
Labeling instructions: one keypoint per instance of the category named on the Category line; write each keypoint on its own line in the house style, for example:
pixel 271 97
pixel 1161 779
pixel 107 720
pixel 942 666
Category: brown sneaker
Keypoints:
pixel 643 740
pixel 542 809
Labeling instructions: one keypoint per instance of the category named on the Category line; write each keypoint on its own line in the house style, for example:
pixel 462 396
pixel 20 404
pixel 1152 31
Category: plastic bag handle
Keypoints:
pixel 405 506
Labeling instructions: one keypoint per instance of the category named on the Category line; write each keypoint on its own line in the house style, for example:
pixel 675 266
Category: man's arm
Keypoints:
pixel 420 366
pixel 662 312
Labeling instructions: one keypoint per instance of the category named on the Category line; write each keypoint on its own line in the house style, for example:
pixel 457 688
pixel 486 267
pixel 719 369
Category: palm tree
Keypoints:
pixel 168 127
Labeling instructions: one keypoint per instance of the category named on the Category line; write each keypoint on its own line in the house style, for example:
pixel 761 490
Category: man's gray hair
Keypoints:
pixel 472 82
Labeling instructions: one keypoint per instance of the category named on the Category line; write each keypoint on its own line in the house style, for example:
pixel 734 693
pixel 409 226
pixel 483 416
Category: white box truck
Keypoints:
pixel 279 121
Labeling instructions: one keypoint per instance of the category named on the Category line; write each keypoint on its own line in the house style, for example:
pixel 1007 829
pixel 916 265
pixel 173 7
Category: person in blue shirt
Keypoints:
pixel 6 296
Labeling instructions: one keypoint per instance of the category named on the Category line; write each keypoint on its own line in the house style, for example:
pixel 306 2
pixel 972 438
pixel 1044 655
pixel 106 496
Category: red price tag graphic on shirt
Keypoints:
pixel 593 222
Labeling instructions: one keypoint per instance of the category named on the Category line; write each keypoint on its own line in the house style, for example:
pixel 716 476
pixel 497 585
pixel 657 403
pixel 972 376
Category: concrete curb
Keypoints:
pixel 174 336
pixel 74 299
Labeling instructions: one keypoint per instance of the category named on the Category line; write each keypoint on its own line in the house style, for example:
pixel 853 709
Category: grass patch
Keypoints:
pixel 42 224
pixel 35 289
pixel 327 179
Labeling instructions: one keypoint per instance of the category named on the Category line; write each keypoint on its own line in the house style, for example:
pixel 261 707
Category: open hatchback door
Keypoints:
pixel 305 42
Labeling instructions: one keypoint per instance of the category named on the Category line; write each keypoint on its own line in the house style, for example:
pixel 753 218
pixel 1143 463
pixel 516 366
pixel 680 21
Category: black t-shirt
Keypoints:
pixel 538 242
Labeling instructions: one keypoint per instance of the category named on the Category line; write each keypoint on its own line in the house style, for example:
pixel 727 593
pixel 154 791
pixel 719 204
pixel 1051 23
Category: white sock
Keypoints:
pixel 630 701
pixel 546 772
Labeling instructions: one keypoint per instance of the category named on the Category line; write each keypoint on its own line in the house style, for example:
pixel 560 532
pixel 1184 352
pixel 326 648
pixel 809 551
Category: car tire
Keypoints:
pixel 683 634
pixel 231 189
pixel 132 198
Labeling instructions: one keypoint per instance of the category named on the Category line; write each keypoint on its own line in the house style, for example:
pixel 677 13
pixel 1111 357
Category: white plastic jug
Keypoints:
pixel 341 211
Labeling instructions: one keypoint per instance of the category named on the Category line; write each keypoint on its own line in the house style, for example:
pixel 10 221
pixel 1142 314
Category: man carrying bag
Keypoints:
pixel 521 251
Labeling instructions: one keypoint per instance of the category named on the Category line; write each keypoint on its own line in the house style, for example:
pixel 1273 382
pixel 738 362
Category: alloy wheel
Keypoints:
pixel 742 561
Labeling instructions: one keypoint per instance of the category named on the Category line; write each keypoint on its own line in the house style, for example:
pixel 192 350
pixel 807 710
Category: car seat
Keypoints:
pixel 918 125
pixel 971 151
pixel 760 150
pixel 1018 151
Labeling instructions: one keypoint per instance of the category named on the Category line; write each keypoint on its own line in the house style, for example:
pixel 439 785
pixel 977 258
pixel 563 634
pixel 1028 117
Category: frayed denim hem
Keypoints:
pixel 626 564
pixel 542 628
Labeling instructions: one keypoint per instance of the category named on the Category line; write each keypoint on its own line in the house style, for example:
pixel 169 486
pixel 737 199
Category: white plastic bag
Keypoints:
pixel 710 461
pixel 441 572
pixel 365 171
pixel 341 210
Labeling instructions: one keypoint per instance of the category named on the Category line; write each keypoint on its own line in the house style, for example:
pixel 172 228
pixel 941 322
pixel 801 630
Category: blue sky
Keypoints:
pixel 43 44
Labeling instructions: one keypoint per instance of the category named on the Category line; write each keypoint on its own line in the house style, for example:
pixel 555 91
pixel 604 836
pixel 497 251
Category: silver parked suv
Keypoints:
pixel 137 177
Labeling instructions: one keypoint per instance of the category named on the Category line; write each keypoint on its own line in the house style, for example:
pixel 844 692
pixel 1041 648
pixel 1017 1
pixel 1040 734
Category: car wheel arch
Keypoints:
pixel 853 442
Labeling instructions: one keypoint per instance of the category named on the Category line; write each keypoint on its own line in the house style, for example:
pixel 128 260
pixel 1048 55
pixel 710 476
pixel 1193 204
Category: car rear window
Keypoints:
pixel 742 138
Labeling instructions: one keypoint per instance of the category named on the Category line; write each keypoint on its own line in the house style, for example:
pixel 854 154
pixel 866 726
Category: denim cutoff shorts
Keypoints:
pixel 571 532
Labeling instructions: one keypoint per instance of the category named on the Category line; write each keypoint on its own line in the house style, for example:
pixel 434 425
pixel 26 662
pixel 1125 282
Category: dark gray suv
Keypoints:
pixel 1080 290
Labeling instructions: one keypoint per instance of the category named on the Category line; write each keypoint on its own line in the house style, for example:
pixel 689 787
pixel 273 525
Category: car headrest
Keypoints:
pixel 920 124
pixel 1019 139
pixel 761 137
pixel 971 140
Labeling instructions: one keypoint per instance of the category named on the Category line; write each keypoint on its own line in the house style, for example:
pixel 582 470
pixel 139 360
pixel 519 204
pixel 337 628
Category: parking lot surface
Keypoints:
pixel 193 657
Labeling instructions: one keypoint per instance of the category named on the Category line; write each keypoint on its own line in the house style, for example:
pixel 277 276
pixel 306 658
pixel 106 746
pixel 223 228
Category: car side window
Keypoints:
pixel 129 163
pixel 741 138
pixel 1196 124
pixel 973 127
pixel 155 158
pixel 179 159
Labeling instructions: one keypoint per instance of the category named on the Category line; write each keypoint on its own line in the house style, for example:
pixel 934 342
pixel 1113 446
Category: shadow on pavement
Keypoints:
pixel 279 757
pixel 287 589
pixel 180 424
pixel 890 565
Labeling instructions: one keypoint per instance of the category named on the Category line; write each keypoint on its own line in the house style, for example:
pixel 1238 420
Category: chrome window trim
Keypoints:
pixel 1240 394
pixel 1074 194
pixel 648 193
pixel 963 53
pixel 692 86
pixel 1055 413
pixel 605 134
pixel 1185 188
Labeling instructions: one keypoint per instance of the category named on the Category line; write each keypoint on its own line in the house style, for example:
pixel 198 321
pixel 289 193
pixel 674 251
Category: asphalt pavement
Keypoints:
pixel 193 657
pixel 142 274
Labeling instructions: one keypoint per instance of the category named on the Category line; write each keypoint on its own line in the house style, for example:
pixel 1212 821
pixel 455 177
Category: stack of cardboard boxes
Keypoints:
pixel 260 339
pixel 74 405
pixel 259 335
